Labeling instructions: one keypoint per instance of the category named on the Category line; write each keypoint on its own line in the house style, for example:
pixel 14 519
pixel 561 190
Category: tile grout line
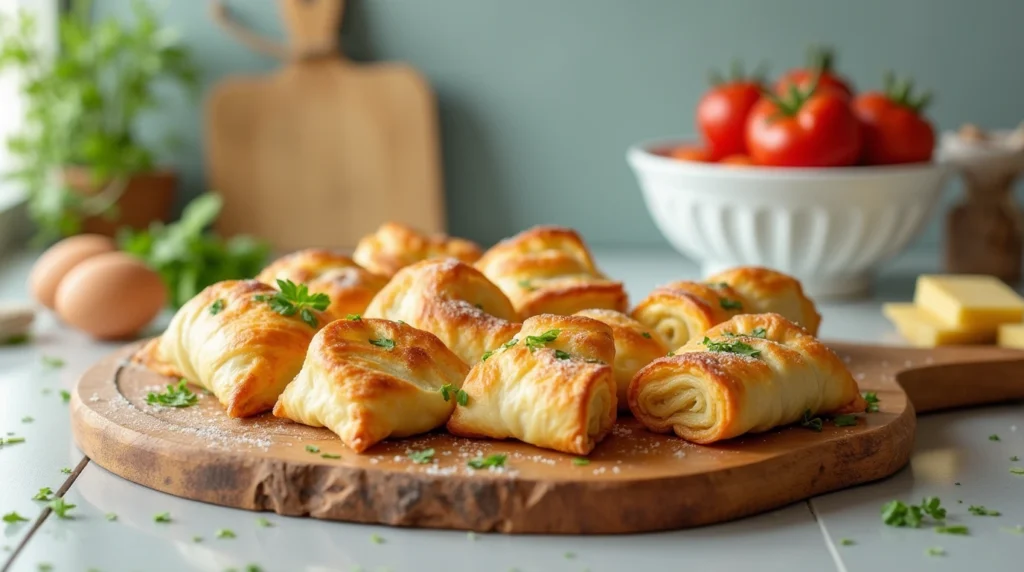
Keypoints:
pixel 840 567
pixel 46 513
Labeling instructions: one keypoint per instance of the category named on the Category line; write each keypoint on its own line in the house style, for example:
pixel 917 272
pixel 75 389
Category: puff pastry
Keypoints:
pixel 680 311
pixel 395 246
pixel 244 352
pixel 349 286
pixel 753 372
pixel 451 300
pixel 635 347
pixel 763 290
pixel 548 270
pixel 368 380
pixel 551 386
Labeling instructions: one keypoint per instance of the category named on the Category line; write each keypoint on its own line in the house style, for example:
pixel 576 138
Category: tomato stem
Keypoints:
pixel 820 58
pixel 737 74
pixel 790 103
pixel 901 92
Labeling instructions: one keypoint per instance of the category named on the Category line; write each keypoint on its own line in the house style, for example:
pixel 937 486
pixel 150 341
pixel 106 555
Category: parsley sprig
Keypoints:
pixel 730 304
pixel 812 423
pixel 487 462
pixel 978 510
pixel 536 342
pixel 61 508
pixel 461 397
pixel 13 517
pixel 421 457
pixel 872 400
pixel 386 343
pixel 900 514
pixel 293 298
pixel 177 395
pixel 733 347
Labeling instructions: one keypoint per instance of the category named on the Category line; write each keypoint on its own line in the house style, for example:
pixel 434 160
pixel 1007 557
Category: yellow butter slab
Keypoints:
pixel 968 301
pixel 1011 336
pixel 922 329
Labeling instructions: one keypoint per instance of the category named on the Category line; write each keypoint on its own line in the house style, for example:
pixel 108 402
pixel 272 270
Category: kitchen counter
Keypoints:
pixel 113 528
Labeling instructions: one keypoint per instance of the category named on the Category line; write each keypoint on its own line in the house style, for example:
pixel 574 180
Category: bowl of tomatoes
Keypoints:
pixel 806 176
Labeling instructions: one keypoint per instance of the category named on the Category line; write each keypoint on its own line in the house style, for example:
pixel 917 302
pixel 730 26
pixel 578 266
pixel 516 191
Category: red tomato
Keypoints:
pixel 690 153
pixel 895 131
pixel 722 116
pixel 819 65
pixel 810 129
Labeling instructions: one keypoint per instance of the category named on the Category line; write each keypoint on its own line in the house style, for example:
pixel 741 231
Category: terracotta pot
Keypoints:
pixel 147 197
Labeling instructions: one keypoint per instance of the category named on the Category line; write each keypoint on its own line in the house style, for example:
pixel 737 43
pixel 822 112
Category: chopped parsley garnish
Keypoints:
pixel 16 340
pixel 487 462
pixel 60 508
pixel 872 400
pixel 354 317
pixel 225 533
pixel 110 516
pixel 812 423
pixel 447 390
pixel 993 437
pixel 735 347
pixel 44 494
pixel 27 419
pixel 217 306
pixel 294 299
pixel 65 395
pixel 670 354
pixel 562 355
pixel 11 441
pixel 421 457
pixel 977 510
pixel 330 456
pixel 935 551
pixel 846 542
pixel 525 285
pixel 312 449
pixel 535 342
pixel 162 517
pixel 955 529
pixel 486 355
pixel 264 523
pixel 646 335
pixel 66 471
pixel 177 395
pixel 510 343
pixel 54 362
pixel 730 304
pixel 1019 529
pixel 580 461
pixel 759 332
pixel 461 397
pixel 845 420
pixel 13 517
pixel 569 555
pixel 386 343
pixel 932 506
pixel 478 306
pixel 1017 470
pixel 45 567
pixel 376 539
pixel 1013 459
pixel 900 514
pixel 197 539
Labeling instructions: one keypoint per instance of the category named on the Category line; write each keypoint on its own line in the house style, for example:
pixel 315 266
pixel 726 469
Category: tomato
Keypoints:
pixel 737 160
pixel 690 153
pixel 819 65
pixel 894 127
pixel 808 129
pixel 722 115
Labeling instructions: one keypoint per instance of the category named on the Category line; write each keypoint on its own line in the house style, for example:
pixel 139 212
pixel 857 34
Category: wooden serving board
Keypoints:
pixel 324 150
pixel 636 481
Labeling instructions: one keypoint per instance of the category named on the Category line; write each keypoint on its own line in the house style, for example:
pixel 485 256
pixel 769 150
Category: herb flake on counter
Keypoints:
pixel 197 539
pixel 899 514
pixel 45 567
pixel 11 441
pixel 734 347
pixel 53 362
pixel 110 516
pixel 65 395
pixel 330 456
pixel 225 533
pixel 253 568
pixel 580 461
pixel 263 522
pixel 932 506
pixel 489 461
pixel 66 471
pixel 978 510
pixel 16 340
pixel 846 542
pixel 217 306
pixel 28 419
pixel 813 423
pixel 537 342
pixel 61 508
pixel 1019 529
pixel 569 555
pixel 559 354
pixel 994 437
pixel 935 551
pixel 845 420
pixel 1017 470
pixel 471 536
pixel 44 494
pixel 872 400
pixel 177 395
pixel 386 343
pixel 1013 459
pixel 958 529
pixel 162 517
pixel 13 517
pixel 312 449
pixel 376 539
pixel 421 457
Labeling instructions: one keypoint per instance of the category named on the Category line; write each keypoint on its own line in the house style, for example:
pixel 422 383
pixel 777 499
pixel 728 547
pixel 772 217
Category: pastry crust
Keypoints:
pixel 764 290
pixel 681 311
pixel 395 246
pixel 349 286
pixel 540 395
pixel 366 392
pixel 706 396
pixel 245 354
pixel 451 300
pixel 548 270
pixel 635 347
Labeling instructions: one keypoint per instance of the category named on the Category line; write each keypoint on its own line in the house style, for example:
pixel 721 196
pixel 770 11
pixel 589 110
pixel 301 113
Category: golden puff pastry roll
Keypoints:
pixel 395 246
pixel 349 286
pixel 681 311
pixel 451 300
pixel 549 270
pixel 764 290
pixel 635 347
pixel 368 380
pixel 551 386
pixel 748 375
pixel 230 340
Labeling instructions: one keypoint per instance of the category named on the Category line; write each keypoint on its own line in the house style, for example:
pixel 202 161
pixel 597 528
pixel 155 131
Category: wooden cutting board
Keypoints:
pixel 324 150
pixel 635 481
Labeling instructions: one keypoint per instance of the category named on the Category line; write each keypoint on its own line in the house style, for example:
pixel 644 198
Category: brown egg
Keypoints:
pixel 110 296
pixel 56 262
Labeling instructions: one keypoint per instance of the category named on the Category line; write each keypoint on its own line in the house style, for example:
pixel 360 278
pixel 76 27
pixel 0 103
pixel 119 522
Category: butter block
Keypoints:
pixel 924 330
pixel 969 302
pixel 1011 336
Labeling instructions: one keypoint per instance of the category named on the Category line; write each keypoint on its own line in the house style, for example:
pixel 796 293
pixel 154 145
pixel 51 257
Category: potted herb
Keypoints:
pixel 80 156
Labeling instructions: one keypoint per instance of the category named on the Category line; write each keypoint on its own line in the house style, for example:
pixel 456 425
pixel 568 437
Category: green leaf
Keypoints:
pixel 217 306
pixel 177 395
pixel 812 423
pixel 935 551
pixel 44 494
pixel 61 508
pixel 486 355
pixel 734 347
pixel 559 354
pixel 312 449
pixel 65 395
pixel 376 539
pixel 646 335
pixel 53 362
pixel 580 461
pixel 386 343
pixel 993 437
pixel 897 513
pixel 13 517
pixel 1017 470
pixel 163 517
pixel 354 317
pixel 461 397
pixel 872 400
pixel 487 462
pixel 759 332
pixel 421 457
pixel 263 522
pixel 446 391
pixel 845 420
pixel 225 533
pixel 932 506
pixel 982 511
pixel 957 529
pixel 535 342
pixel 846 542
pixel 110 516
pixel 730 304
pixel 330 456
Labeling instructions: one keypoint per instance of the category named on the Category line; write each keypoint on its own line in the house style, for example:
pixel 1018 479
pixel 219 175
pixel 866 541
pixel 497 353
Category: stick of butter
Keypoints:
pixel 1011 336
pixel 924 330
pixel 968 302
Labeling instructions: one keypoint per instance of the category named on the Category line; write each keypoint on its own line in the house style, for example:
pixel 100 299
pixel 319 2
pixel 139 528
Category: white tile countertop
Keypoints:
pixel 953 460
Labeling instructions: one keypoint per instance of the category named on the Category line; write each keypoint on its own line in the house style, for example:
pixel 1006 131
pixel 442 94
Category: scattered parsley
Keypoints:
pixel 354 317
pixel 312 449
pixel 217 306
pixel 13 517
pixel 1017 470
pixel 16 340
pixel 27 419
pixel 525 285
pixel 900 514
pixel 1013 459
pixel 386 343
pixel 982 511
pixel 872 400
pixel 730 304
pixel 993 437
pixel 330 456
pixel 60 508
pixel 446 391
pixel 935 551
pixel 294 299
pixel 376 539
pixel 253 568
pixel 461 397
pixel 264 523
pixel 812 423
pixel 111 516
pixel 11 441
pixel 759 332
pixel 486 355
pixel 479 306
pixel 45 567
pixel 646 335
pixel 581 461
pixel 932 506
pixel 845 420
pixel 53 362
pixel 162 517
pixel 225 533
pixel 44 494
pixel 421 457
pixel 670 354
pixel 846 542
pixel 66 471
pixel 570 555
pixel 487 462
pixel 562 355
pixel 535 342
pixel 1019 529
pixel 735 347
pixel 197 539
pixel 956 529
pixel 177 395
pixel 510 343
pixel 65 395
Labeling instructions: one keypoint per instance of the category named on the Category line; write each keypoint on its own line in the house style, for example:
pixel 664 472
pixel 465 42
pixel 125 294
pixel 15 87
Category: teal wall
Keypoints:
pixel 540 98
